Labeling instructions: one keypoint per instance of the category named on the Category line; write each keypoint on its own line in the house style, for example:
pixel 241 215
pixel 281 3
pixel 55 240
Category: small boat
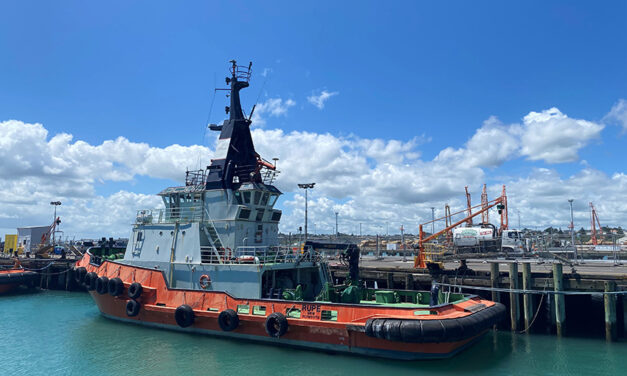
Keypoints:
pixel 10 279
pixel 210 263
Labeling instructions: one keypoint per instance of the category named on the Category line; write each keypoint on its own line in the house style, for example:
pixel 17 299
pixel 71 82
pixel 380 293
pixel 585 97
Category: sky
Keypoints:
pixel 390 107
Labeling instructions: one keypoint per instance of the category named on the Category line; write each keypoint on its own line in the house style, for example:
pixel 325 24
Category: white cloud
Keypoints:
pixel 618 114
pixel 554 137
pixel 371 181
pixel 320 99
pixel 271 107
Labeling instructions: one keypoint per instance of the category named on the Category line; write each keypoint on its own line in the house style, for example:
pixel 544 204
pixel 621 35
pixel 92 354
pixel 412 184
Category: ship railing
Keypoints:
pixel 259 255
pixel 192 213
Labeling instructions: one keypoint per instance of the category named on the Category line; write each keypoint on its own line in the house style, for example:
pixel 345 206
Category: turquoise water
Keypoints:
pixel 61 333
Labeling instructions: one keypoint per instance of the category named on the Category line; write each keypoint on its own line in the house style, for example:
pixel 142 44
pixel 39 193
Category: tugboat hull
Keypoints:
pixel 348 331
pixel 13 278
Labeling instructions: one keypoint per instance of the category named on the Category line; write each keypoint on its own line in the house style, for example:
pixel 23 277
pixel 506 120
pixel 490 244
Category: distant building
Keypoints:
pixel 10 243
pixel 30 237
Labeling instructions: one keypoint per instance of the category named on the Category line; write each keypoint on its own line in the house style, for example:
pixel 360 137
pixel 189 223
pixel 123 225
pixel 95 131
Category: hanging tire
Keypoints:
pixel 184 316
pixel 228 320
pixel 102 285
pixel 276 324
pixel 90 281
pixel 135 290
pixel 132 308
pixel 115 287
pixel 79 274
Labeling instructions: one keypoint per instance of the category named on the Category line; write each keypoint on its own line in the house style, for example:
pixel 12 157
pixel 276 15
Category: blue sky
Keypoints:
pixel 145 70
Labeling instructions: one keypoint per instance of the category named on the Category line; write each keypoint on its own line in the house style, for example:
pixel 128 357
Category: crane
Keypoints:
pixel 500 203
pixel 594 220
pixel 469 204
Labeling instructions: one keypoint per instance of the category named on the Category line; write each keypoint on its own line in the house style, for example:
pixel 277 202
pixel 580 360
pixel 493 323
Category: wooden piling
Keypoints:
pixel 409 283
pixel 560 309
pixel 609 302
pixel 494 281
pixel 527 298
pixel 513 297
pixel 390 280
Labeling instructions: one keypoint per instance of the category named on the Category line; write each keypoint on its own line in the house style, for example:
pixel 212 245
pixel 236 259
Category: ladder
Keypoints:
pixel 210 255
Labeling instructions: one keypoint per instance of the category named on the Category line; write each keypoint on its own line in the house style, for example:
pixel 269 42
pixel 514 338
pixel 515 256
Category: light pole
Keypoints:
pixel 432 220
pixel 306 187
pixel 572 230
pixel 337 233
pixel 54 220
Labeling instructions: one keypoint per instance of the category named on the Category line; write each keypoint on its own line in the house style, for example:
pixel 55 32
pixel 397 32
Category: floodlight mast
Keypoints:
pixel 306 187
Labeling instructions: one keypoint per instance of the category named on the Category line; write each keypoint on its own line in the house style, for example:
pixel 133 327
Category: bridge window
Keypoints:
pixel 260 214
pixel 273 199
pixel 264 199
pixel 257 197
pixel 246 197
pixel 244 214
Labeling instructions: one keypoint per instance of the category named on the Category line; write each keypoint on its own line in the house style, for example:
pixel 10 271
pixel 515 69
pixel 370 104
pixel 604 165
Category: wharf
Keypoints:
pixel 55 273
pixel 594 290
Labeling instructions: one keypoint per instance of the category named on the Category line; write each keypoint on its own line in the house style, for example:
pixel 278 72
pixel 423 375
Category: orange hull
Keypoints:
pixel 346 334
pixel 12 278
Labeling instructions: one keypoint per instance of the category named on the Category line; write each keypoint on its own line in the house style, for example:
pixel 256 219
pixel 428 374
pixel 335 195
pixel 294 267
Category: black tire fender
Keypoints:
pixel 90 281
pixel 276 324
pixel 184 316
pixel 132 308
pixel 135 290
pixel 228 320
pixel 115 287
pixel 79 274
pixel 102 285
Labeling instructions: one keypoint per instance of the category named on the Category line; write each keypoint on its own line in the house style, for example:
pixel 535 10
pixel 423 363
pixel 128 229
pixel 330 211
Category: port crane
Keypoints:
pixel 594 220
pixel 500 203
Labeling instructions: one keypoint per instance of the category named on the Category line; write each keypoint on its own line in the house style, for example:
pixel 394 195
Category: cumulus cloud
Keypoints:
pixel 376 182
pixel 553 137
pixel 320 99
pixel 274 107
pixel 618 114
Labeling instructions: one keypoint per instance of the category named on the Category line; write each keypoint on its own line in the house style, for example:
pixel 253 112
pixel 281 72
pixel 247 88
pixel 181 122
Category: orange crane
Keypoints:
pixel 46 236
pixel 485 218
pixel 469 204
pixel 594 220
pixel 500 203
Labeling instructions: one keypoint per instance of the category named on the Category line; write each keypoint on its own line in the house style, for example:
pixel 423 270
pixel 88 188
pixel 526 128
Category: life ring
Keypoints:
pixel 132 308
pixel 135 290
pixel 184 316
pixel 204 281
pixel 116 286
pixel 276 324
pixel 228 320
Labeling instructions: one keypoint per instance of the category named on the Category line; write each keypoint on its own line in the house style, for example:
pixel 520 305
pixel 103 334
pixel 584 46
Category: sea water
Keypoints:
pixel 62 333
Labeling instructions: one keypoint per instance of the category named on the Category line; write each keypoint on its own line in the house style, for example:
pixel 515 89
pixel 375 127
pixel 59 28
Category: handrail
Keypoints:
pixel 257 255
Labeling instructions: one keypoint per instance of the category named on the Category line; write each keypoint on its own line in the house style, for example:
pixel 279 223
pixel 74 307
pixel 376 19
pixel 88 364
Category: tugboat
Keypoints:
pixel 11 279
pixel 210 262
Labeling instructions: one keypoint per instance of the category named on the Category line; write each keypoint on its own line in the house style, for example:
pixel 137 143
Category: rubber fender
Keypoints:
pixel 392 330
pixel 79 274
pixel 90 281
pixel 135 290
pixel 132 308
pixel 116 287
pixel 426 331
pixel 228 320
pixel 276 324
pixel 102 285
pixel 184 316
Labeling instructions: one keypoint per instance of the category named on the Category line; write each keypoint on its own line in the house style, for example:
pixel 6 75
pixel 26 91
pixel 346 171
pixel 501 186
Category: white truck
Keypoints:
pixel 485 240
